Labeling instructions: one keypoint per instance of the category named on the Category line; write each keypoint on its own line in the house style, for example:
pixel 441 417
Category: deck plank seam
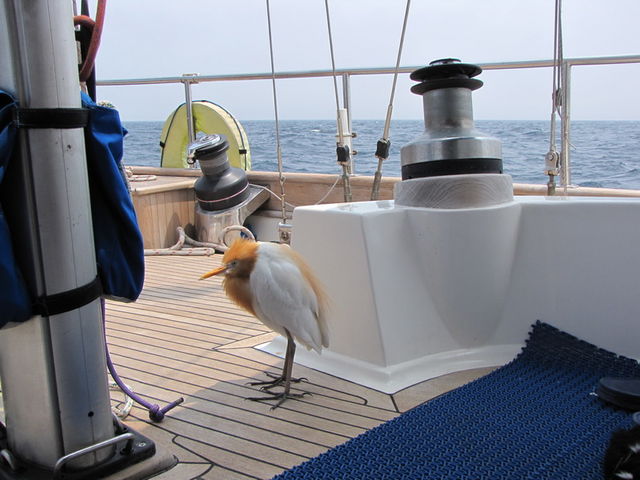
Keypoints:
pixel 245 333
pixel 329 416
pixel 258 371
pixel 127 317
pixel 234 452
pixel 222 340
pixel 242 320
pixel 207 461
pixel 212 464
pixel 365 401
pixel 154 324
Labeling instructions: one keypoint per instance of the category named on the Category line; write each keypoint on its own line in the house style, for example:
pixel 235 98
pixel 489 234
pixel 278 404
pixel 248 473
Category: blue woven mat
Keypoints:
pixel 534 418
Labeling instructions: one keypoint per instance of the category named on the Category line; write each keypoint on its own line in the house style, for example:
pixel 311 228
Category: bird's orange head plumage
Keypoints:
pixel 237 264
pixel 238 261
pixel 282 265
pixel 241 257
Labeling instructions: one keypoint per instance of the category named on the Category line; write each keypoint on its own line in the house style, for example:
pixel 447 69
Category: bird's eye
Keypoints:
pixel 232 264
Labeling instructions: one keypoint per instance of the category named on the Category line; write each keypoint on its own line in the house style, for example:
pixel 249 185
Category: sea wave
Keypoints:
pixel 603 153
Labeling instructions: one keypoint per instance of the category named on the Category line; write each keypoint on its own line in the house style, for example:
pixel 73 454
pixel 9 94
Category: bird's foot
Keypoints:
pixel 276 380
pixel 281 397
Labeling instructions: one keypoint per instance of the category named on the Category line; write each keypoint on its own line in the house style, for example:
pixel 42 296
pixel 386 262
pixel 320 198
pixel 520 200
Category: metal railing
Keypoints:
pixel 346 73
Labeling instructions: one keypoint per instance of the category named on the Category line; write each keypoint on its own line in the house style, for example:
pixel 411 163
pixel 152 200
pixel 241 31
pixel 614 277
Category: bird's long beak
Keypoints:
pixel 213 272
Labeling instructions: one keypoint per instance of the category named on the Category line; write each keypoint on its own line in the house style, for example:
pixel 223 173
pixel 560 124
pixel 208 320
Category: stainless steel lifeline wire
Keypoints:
pixel 342 151
pixel 383 146
pixel 552 158
pixel 284 228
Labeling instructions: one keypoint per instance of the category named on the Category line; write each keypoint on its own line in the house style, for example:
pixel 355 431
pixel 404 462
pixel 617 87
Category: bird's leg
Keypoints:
pixel 286 378
pixel 280 379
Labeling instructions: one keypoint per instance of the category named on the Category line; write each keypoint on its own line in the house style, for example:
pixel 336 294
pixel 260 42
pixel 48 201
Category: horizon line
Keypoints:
pixel 407 119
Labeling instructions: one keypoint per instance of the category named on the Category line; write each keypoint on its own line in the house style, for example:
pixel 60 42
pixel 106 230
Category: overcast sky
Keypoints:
pixel 151 38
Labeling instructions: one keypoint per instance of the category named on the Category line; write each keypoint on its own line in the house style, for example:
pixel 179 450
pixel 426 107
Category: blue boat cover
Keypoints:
pixel 15 304
pixel 118 241
pixel 535 418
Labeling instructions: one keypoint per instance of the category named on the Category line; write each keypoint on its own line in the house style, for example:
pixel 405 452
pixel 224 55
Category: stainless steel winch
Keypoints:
pixel 452 164
pixel 224 197
pixel 450 144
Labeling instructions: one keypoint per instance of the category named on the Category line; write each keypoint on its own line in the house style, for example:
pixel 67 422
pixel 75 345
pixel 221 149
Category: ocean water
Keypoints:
pixel 603 153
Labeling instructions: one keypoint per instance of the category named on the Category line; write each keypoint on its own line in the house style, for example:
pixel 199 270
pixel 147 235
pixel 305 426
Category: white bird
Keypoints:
pixel 273 282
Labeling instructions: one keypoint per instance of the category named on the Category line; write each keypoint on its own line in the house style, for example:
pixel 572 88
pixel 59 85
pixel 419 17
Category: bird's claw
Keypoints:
pixel 277 380
pixel 267 386
pixel 281 397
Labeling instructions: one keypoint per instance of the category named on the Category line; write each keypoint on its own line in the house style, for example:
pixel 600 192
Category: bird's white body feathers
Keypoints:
pixel 285 295
pixel 274 283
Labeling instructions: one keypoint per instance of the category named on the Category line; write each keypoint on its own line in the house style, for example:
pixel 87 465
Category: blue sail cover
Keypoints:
pixel 15 304
pixel 118 241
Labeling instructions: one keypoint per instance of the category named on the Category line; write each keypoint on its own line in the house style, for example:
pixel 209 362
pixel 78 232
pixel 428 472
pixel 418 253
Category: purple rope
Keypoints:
pixel 156 414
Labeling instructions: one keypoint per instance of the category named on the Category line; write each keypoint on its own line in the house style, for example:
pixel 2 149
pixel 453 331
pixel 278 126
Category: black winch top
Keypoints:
pixel 209 146
pixel 446 73
pixel 222 186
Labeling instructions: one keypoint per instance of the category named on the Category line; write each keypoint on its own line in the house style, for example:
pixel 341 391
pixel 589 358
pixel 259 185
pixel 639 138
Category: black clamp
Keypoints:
pixel 343 154
pixel 382 148
pixel 62 302
pixel 51 117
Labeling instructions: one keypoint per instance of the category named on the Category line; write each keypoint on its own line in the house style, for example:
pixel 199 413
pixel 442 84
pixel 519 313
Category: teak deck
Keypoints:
pixel 183 337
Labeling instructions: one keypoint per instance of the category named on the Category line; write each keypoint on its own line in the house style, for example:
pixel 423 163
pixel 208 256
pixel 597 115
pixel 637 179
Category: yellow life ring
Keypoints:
pixel 208 118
